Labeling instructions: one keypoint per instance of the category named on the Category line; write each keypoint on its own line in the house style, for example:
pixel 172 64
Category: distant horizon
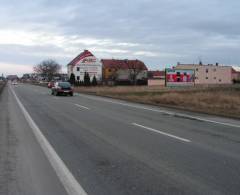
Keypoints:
pixel 64 69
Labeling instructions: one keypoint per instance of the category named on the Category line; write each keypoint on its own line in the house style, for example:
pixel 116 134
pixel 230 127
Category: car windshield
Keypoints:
pixel 64 84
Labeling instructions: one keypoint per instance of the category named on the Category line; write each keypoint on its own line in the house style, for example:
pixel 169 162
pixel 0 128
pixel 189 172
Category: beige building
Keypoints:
pixel 209 74
pixel 123 71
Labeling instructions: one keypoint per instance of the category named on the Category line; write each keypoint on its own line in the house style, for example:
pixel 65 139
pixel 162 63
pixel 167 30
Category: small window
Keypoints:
pixel 215 78
pixel 196 69
pixel 78 69
pixel 78 78
pixel 206 70
pixel 206 77
pixel 220 80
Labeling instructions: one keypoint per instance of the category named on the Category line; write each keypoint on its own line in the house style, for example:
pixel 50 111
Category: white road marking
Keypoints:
pixel 56 98
pixel 80 106
pixel 65 176
pixel 164 112
pixel 161 132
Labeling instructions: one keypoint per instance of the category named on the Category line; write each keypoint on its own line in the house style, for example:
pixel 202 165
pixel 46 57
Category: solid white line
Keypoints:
pixel 161 132
pixel 164 112
pixel 65 176
pixel 80 106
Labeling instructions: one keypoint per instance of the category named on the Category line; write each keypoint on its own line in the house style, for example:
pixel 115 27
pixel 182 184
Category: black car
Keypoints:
pixel 62 88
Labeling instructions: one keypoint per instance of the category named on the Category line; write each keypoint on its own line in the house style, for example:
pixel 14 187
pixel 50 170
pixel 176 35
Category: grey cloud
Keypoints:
pixel 172 30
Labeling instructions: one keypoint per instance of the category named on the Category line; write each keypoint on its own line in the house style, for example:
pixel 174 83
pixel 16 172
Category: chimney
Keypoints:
pixel 216 63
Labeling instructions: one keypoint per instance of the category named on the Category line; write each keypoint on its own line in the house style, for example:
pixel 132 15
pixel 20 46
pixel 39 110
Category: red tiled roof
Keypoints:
pixel 123 64
pixel 81 56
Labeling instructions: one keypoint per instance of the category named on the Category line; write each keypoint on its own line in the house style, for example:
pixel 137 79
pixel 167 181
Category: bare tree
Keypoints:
pixel 135 67
pixel 47 68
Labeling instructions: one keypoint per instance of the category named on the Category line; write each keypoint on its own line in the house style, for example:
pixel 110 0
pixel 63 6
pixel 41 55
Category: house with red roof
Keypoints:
pixel 85 62
pixel 124 71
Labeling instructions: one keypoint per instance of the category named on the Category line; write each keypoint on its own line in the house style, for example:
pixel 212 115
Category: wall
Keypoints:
pixel 210 74
pixel 91 65
pixel 156 82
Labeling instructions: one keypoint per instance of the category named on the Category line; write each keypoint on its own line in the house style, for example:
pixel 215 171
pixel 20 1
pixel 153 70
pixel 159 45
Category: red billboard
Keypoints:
pixel 179 77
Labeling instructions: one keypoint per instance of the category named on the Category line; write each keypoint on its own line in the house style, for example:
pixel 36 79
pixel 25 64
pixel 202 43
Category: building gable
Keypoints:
pixel 84 57
pixel 85 62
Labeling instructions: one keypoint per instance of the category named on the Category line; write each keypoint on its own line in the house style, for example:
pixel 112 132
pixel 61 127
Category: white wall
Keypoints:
pixel 91 65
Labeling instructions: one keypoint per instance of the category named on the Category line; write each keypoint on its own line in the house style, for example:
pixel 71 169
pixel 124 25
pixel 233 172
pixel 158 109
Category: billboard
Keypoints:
pixel 179 77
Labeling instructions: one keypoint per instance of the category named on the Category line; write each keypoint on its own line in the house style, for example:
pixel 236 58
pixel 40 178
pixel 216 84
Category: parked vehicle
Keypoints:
pixel 62 88
pixel 51 84
pixel 14 82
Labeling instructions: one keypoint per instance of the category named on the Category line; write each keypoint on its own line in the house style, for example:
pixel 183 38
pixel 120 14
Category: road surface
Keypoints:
pixel 104 146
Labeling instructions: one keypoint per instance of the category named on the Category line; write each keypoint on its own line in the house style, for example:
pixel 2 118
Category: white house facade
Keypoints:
pixel 85 62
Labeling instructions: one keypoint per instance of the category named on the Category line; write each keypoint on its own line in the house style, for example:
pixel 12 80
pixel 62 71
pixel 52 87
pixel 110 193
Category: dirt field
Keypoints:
pixel 224 100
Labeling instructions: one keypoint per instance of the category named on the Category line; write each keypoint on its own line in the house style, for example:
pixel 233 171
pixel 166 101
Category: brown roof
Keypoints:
pixel 81 56
pixel 123 64
pixel 157 73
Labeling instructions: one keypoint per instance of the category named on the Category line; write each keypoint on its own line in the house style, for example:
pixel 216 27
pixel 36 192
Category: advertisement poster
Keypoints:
pixel 179 77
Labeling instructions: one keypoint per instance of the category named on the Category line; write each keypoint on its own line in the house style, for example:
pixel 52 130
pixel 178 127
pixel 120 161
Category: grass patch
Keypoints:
pixel 218 100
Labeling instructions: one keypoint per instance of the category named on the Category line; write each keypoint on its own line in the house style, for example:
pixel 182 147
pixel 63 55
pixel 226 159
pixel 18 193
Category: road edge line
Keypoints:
pixel 170 113
pixel 67 179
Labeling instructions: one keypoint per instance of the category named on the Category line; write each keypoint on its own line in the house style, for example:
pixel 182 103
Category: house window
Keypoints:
pixel 215 78
pixel 78 69
pixel 78 78
pixel 220 80
pixel 196 69
pixel 206 70
pixel 206 77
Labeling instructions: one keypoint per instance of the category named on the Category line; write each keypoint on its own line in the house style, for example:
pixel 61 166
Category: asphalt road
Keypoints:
pixel 114 147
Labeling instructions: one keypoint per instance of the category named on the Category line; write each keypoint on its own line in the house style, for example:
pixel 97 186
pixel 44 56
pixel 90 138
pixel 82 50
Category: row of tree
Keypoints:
pixel 86 81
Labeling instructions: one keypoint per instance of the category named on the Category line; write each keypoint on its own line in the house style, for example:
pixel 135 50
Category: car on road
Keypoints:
pixel 60 88
pixel 14 82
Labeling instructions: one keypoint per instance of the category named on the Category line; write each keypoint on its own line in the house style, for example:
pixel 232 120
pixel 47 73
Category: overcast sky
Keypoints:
pixel 158 32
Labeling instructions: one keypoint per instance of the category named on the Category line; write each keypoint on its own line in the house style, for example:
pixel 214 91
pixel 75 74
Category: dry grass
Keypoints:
pixel 224 100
